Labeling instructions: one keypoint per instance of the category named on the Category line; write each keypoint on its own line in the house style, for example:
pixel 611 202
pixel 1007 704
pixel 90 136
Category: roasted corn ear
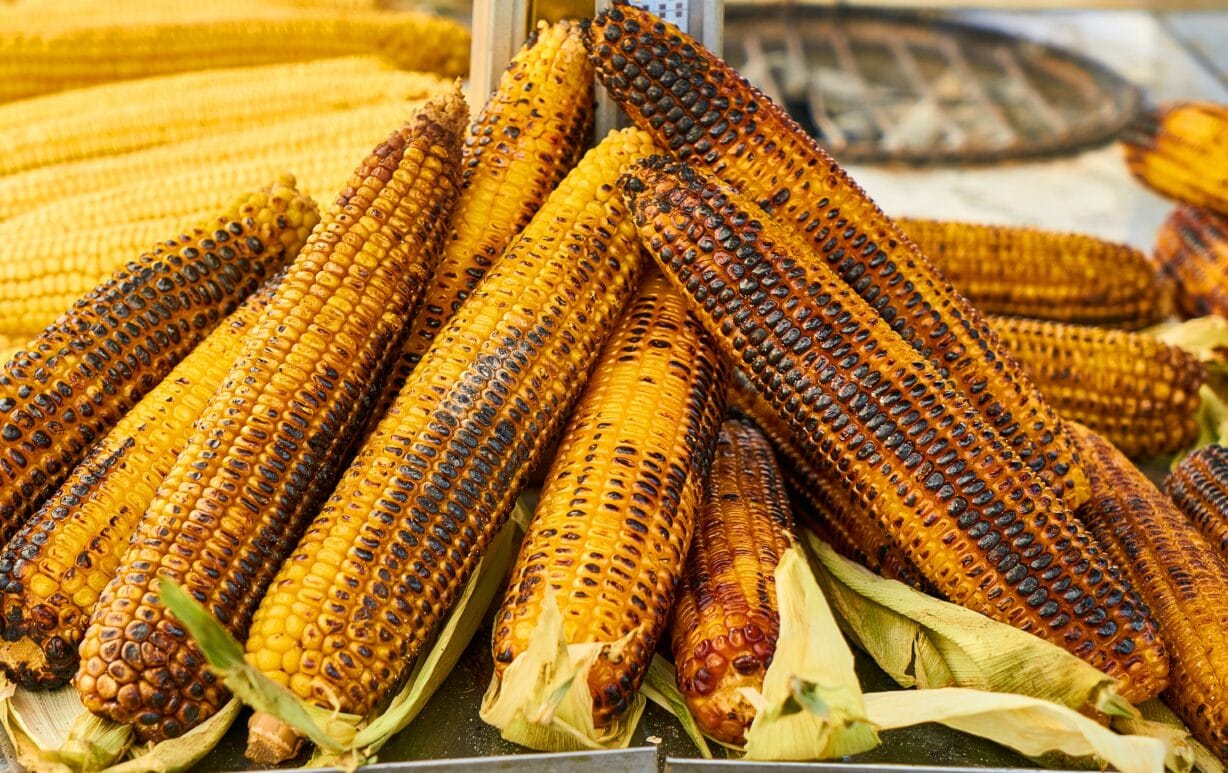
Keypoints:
pixel 272 440
pixel 1177 572
pixel 1138 392
pixel 1192 250
pixel 439 475
pixel 1028 272
pixel 1199 487
pixel 52 571
pixel 43 53
pixel 726 620
pixel 529 135
pixel 706 114
pixel 618 508
pixel 84 371
pixel 981 526
pixel 1180 150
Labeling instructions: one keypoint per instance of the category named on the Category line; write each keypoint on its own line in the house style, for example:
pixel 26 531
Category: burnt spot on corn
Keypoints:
pixel 316 357
pixel 1192 251
pixel 706 114
pixel 726 619
pixel 1174 149
pixel 982 527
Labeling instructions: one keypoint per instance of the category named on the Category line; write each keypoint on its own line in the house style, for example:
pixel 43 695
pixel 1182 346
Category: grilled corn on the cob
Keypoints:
pixel 272 440
pixel 618 508
pixel 52 571
pixel 1027 272
pixel 709 116
pixel 980 525
pixel 726 620
pixel 1199 487
pixel 437 478
pixel 1177 572
pixel 1138 392
pixel 1192 250
pixel 1181 151
pixel 81 374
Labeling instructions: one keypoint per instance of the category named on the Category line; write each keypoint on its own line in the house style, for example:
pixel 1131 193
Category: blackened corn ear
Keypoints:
pixel 726 620
pixel 272 440
pixel 1139 393
pixel 529 135
pixel 982 527
pixel 821 499
pixel 53 570
pixel 1027 272
pixel 1181 151
pixel 48 52
pixel 1177 572
pixel 1199 487
pixel 709 116
pixel 83 372
pixel 618 508
pixel 435 481
pixel 1192 250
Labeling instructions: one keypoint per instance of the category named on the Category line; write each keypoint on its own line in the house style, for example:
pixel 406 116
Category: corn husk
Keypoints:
pixel 661 687
pixel 1184 752
pixel 1033 727
pixel 923 642
pixel 1207 339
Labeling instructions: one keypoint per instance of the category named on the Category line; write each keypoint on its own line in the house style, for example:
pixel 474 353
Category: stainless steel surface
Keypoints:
pixel 638 760
pixel 675 765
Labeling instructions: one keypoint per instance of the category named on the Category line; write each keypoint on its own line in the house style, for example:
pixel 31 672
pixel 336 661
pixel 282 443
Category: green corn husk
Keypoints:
pixel 923 642
pixel 1207 339
pixel 661 687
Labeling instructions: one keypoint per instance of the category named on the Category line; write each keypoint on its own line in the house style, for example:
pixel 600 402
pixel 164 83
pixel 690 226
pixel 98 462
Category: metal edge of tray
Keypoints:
pixel 642 759
pixel 683 765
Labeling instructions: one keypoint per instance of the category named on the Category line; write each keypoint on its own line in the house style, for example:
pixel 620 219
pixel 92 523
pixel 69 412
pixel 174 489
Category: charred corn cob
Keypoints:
pixel 81 374
pixel 1027 272
pixel 530 134
pixel 1177 572
pixel 42 55
pixel 1199 487
pixel 726 620
pixel 272 440
pixel 175 108
pixel 1192 250
pixel 981 526
pixel 52 571
pixel 822 502
pixel 709 116
pixel 355 602
pixel 1140 393
pixel 617 511
pixel 1181 151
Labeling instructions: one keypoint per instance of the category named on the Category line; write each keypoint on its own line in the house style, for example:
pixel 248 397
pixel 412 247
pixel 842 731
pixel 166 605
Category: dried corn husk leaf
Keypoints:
pixel 923 642
pixel 1184 752
pixel 661 687
pixel 1207 339
pixel 1028 725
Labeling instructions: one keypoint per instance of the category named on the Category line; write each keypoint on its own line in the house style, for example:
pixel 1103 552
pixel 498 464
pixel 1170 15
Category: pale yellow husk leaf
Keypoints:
pixel 1184 752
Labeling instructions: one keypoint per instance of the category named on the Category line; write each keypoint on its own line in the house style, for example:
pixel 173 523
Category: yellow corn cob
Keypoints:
pixel 1199 487
pixel 42 53
pixel 1027 272
pixel 821 500
pixel 1138 392
pixel 1181 151
pixel 120 117
pixel 53 569
pixel 726 620
pixel 1180 576
pixel 618 508
pixel 1192 250
pixel 80 375
pixel 981 526
pixel 709 116
pixel 273 439
pixel 531 133
pixel 351 607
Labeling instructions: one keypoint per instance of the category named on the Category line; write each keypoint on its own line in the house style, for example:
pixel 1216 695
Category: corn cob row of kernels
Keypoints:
pixel 1177 572
pixel 272 440
pixel 55 567
pixel 1192 250
pixel 726 619
pixel 617 511
pixel 709 116
pixel 1138 392
pixel 1027 272
pixel 1181 151
pixel 1199 487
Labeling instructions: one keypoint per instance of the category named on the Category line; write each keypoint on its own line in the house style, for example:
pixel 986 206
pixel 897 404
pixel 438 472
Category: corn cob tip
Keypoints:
pixel 449 110
pixel 270 741
pixel 32 666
